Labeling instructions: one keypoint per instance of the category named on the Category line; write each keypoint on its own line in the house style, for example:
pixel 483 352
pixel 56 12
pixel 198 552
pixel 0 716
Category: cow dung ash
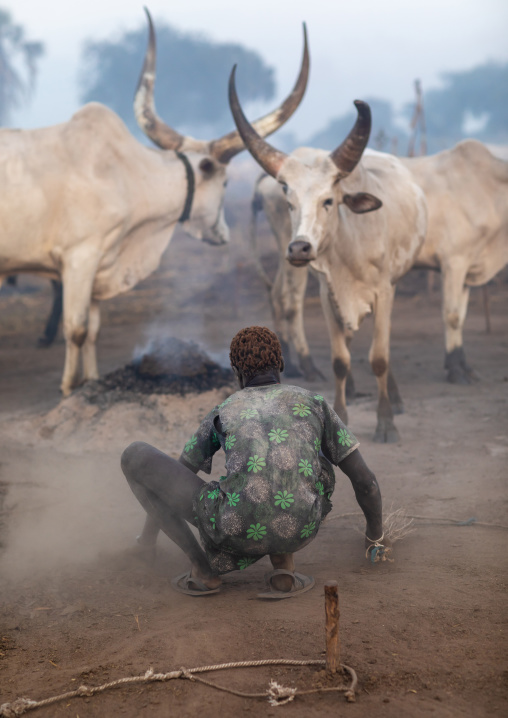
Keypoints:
pixel 170 366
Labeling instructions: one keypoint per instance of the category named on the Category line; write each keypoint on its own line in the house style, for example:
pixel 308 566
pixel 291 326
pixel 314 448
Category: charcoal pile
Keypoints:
pixel 169 366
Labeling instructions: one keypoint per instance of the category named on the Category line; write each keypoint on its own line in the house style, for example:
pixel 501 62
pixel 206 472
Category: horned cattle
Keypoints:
pixel 86 203
pixel 358 253
pixel 466 190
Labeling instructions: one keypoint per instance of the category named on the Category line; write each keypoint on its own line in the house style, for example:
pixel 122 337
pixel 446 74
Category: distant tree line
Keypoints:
pixel 18 65
pixel 472 103
pixel 191 84
pixel 191 96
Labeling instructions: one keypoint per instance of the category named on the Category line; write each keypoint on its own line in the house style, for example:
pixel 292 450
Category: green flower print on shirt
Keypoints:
pixel 213 494
pixel 320 488
pixel 256 532
pixel 305 467
pixel 301 410
pixel 273 393
pixel 318 397
pixel 283 499
pixel 212 521
pixel 230 441
pixel 317 444
pixel 248 413
pixel 278 435
pixel 215 440
pixel 233 499
pixel 244 563
pixel 344 438
pixel 255 463
pixel 308 529
pixel 191 443
pixel 226 401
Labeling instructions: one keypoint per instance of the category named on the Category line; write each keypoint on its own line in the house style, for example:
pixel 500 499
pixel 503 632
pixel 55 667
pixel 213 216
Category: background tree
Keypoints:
pixel 384 129
pixel 192 74
pixel 472 103
pixel 18 65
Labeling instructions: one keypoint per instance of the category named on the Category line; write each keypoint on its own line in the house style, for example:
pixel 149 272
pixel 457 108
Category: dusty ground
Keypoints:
pixel 425 633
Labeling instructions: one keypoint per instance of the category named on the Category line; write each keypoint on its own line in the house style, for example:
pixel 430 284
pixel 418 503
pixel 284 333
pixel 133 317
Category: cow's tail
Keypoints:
pixel 256 207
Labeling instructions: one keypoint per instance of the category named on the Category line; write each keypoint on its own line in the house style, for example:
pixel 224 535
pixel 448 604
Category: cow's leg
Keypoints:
pixel 455 301
pixel 279 318
pixel 379 357
pixel 341 358
pixel 394 395
pixel 77 280
pixel 51 327
pixel 294 299
pixel 350 385
pixel 90 370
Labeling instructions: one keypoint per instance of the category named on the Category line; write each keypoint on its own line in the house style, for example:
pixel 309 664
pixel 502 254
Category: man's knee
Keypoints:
pixel 133 457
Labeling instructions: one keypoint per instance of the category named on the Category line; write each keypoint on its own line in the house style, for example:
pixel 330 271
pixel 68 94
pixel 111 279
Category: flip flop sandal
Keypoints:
pixel 182 585
pixel 301 584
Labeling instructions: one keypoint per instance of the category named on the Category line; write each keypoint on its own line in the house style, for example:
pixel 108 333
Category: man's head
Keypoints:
pixel 255 350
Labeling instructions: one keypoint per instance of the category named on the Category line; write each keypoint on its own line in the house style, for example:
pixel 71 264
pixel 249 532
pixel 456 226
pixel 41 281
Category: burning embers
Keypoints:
pixel 169 366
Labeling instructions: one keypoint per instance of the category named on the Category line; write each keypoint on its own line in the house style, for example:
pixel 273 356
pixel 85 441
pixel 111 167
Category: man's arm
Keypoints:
pixel 367 492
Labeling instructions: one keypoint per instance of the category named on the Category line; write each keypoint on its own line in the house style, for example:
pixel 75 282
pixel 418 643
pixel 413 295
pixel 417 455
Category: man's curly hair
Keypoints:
pixel 254 350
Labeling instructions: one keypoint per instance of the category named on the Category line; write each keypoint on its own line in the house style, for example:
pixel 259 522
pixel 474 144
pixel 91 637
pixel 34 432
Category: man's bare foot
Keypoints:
pixel 286 561
pixel 209 581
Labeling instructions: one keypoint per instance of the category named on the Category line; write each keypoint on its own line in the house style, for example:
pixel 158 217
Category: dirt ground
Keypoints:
pixel 425 633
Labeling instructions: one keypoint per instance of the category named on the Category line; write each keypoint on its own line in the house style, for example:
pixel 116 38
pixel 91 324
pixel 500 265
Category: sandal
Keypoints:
pixel 301 584
pixel 182 585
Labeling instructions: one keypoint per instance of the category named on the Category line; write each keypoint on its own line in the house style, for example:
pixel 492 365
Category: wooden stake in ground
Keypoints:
pixel 332 626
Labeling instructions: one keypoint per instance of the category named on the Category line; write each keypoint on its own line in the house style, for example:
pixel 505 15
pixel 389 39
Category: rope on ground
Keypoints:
pixel 276 694
pixel 473 521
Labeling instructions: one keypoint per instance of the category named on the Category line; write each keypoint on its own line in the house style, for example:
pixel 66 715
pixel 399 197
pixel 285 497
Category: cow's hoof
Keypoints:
pixel 386 433
pixel 310 370
pixel 397 407
pixel 458 375
pixel 291 371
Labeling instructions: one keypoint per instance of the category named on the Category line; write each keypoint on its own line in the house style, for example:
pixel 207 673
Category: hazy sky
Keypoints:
pixel 358 49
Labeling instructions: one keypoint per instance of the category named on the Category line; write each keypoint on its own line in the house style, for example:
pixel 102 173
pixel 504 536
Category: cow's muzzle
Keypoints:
pixel 300 252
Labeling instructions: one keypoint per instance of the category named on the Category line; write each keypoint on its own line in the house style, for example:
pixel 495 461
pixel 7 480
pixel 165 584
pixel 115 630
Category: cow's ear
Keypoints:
pixel 207 167
pixel 362 202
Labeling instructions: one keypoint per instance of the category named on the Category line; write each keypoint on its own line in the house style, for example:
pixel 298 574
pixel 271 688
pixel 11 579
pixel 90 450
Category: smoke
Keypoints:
pixel 63 510
pixel 163 343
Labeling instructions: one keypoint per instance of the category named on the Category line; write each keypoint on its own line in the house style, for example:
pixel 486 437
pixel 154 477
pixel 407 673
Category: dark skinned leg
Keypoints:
pixel 366 491
pixel 286 561
pixel 165 488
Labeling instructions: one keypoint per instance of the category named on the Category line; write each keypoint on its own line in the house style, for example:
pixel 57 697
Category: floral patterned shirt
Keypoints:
pixel 279 441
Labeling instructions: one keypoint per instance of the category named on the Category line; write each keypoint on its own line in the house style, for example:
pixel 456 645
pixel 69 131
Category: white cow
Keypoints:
pixel 86 203
pixel 466 189
pixel 358 257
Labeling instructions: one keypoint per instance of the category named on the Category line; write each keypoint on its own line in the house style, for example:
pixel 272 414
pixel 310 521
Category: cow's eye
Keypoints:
pixel 328 202
pixel 284 187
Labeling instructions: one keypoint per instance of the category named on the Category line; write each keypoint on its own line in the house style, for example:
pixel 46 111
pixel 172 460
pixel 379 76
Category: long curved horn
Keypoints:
pixel 265 155
pixel 231 144
pixel 349 153
pixel 144 106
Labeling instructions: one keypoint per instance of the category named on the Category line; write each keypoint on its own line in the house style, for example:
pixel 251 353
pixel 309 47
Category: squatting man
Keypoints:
pixel 280 442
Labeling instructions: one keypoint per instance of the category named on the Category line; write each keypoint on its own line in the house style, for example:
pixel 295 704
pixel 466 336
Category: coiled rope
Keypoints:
pixel 276 694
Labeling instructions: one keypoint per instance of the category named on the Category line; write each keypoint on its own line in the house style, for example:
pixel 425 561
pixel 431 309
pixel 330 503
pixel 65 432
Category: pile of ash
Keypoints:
pixel 170 366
